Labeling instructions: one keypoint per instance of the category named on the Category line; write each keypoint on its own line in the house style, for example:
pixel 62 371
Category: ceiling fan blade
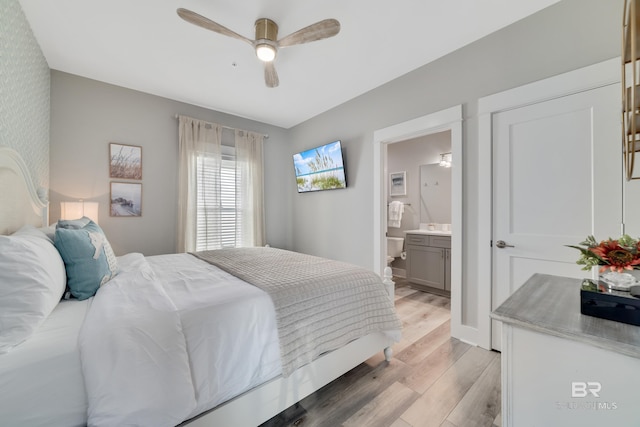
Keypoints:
pixel 318 31
pixel 208 24
pixel 270 75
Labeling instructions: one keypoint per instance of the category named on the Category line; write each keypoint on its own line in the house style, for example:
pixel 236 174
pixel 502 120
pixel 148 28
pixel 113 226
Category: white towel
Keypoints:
pixel 395 214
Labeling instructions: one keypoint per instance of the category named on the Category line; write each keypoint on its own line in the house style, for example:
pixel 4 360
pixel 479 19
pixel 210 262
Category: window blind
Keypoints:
pixel 219 220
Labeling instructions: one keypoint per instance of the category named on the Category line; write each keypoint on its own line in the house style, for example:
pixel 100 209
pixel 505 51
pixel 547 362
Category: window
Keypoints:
pixel 218 214
pixel 220 197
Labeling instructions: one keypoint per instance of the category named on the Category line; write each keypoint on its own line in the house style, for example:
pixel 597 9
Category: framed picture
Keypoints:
pixel 125 161
pixel 398 184
pixel 126 199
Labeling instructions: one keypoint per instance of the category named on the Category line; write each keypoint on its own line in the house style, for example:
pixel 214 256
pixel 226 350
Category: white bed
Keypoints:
pixel 42 381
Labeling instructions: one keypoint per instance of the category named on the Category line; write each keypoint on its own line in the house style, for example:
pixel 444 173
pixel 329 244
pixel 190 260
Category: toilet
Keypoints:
pixel 394 248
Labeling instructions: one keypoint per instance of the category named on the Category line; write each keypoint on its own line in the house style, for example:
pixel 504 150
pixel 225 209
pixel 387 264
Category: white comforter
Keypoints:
pixel 171 337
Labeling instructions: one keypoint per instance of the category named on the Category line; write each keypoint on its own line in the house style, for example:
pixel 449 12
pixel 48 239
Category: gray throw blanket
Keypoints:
pixel 320 304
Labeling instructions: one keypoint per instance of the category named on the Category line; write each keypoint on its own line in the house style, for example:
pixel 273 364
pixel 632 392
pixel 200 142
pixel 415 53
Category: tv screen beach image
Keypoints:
pixel 320 168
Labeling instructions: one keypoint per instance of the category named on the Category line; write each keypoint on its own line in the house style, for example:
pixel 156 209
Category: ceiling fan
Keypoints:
pixel 266 41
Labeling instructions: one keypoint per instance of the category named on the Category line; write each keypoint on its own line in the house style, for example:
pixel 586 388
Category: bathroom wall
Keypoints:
pixel 408 156
pixel 435 194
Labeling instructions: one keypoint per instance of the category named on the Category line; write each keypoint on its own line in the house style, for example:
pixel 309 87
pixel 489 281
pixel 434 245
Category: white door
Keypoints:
pixel 557 177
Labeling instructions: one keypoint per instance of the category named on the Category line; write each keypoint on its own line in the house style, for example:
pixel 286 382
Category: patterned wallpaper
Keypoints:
pixel 24 92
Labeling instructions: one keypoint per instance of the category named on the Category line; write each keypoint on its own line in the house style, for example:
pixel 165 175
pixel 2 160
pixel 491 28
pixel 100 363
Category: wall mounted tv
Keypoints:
pixel 321 168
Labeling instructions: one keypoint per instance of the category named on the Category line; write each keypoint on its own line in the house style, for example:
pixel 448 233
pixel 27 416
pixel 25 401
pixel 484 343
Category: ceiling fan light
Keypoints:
pixel 265 52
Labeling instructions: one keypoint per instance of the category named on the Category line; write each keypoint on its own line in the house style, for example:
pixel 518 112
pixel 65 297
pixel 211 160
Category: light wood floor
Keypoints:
pixel 432 380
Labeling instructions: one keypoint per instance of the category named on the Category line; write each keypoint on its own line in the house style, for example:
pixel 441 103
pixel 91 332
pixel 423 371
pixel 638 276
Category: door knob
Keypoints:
pixel 502 244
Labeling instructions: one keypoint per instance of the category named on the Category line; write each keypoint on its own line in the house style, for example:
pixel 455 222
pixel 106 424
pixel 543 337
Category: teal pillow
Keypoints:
pixel 88 258
pixel 74 223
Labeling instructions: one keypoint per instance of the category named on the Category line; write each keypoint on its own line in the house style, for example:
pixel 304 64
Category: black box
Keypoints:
pixel 596 299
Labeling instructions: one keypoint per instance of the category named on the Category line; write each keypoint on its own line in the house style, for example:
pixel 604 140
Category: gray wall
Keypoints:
pixel 24 92
pixel 87 115
pixel 566 36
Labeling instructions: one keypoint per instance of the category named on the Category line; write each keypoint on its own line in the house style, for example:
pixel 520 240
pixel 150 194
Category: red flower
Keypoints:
pixel 617 258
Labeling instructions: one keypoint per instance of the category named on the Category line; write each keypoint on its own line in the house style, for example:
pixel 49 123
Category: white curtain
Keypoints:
pixel 249 188
pixel 197 140
pixel 220 188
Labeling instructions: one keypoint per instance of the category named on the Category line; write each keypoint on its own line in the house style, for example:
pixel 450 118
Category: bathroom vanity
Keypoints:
pixel 429 260
pixel 563 368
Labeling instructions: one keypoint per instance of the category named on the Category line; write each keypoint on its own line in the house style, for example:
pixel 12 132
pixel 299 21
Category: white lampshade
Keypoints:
pixel 76 210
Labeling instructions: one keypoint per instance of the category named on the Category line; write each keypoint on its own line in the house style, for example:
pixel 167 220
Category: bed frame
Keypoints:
pixel 19 201
pixel 20 205
pixel 269 399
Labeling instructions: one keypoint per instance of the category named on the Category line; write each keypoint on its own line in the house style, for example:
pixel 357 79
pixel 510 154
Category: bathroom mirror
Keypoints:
pixel 435 194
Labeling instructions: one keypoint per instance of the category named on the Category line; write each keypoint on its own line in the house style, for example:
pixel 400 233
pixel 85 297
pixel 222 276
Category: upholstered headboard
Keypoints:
pixel 19 201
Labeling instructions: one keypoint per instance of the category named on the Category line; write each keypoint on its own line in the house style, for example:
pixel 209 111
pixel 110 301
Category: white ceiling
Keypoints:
pixel 144 45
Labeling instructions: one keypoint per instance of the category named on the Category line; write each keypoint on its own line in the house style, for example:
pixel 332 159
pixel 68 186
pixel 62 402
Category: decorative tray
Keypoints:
pixel 599 300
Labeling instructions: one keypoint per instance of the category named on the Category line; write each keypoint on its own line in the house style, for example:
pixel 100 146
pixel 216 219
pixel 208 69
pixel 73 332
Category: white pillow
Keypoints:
pixel 32 281
pixel 30 230
pixel 49 231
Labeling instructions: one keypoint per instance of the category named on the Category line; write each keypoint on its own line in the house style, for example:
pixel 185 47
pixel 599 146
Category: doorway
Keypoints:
pixel 426 193
pixel 445 120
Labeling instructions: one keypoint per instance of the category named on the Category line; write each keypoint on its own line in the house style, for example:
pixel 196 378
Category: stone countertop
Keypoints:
pixel 551 305
pixel 429 232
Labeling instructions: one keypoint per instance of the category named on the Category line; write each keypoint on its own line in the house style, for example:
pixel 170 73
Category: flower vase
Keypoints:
pixel 619 281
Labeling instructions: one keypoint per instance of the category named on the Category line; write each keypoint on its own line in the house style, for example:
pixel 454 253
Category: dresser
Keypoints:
pixel 563 368
pixel 429 261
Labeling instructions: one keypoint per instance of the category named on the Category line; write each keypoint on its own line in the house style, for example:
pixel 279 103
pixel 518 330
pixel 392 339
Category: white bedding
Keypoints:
pixel 41 379
pixel 164 341
pixel 231 337
pixel 168 338
pixel 230 327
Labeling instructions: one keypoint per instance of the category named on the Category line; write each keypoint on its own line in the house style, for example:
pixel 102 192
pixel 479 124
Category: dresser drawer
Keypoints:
pixel 417 239
pixel 440 241
pixel 427 240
